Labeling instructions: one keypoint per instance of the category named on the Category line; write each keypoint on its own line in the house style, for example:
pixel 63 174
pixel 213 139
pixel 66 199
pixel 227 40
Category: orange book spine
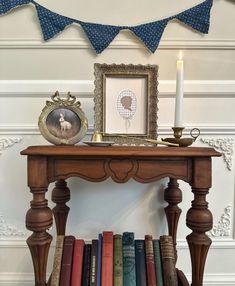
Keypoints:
pixel 107 259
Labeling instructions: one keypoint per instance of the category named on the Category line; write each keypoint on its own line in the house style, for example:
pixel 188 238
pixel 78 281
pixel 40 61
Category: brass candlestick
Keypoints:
pixel 183 142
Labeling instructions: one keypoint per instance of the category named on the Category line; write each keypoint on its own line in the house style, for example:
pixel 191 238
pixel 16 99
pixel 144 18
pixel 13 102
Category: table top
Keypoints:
pixel 119 151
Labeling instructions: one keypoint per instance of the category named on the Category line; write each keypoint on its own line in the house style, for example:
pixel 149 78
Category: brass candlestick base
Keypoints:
pixel 183 142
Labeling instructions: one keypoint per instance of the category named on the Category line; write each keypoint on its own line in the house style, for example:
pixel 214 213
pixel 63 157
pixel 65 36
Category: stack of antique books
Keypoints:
pixel 114 260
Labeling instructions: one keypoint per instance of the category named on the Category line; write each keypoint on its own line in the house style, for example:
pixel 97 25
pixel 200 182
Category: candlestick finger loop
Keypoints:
pixel 195 132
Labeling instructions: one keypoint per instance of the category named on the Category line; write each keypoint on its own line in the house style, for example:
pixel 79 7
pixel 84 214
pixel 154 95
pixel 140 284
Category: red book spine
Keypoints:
pixel 77 262
pixel 67 260
pixel 107 259
pixel 150 263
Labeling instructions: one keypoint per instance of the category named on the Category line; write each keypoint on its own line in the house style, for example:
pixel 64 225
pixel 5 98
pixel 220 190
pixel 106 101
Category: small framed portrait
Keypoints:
pixel 62 121
pixel 126 102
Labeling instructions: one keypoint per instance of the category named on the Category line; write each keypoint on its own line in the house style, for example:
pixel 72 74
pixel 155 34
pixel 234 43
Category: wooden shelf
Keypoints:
pixel 47 164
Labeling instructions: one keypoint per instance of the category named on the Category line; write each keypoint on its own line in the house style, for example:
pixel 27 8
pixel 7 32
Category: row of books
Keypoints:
pixel 114 260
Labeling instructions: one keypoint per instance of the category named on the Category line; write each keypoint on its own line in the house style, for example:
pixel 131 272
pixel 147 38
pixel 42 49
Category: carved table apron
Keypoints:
pixel 48 164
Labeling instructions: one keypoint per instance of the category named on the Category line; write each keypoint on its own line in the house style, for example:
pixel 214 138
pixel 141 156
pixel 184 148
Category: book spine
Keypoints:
pixel 86 265
pixel 107 259
pixel 158 261
pixel 118 267
pixel 128 248
pixel 168 261
pixel 140 265
pixel 77 262
pixel 93 270
pixel 67 259
pixel 98 280
pixel 150 264
pixel 55 276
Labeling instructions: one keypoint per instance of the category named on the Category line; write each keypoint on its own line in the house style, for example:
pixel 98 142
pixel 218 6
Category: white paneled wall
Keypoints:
pixel 31 71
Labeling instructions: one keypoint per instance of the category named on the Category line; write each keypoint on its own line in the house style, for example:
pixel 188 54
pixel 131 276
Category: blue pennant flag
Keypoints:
pixel 51 23
pixel 150 33
pixel 7 5
pixel 197 17
pixel 100 35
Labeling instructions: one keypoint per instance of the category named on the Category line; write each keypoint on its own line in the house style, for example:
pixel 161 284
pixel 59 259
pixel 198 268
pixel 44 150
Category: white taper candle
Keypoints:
pixel 179 94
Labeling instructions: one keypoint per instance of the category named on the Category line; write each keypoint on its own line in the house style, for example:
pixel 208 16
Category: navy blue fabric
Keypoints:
pixel 151 33
pixel 51 23
pixel 197 17
pixel 7 5
pixel 99 35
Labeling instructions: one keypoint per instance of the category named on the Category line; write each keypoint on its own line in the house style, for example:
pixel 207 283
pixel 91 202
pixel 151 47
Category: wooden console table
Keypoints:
pixel 47 164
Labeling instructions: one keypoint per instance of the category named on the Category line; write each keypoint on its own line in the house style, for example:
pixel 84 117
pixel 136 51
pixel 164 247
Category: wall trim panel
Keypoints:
pixel 121 43
pixel 85 88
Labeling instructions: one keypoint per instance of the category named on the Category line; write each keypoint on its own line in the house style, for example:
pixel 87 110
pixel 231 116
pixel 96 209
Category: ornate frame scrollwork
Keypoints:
pixel 120 92
pixel 62 121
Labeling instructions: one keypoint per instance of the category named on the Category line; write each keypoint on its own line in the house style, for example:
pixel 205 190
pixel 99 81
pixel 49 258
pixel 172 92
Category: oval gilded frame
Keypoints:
pixel 54 125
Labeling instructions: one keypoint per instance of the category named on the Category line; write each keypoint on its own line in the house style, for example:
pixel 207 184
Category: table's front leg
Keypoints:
pixel 199 220
pixel 38 220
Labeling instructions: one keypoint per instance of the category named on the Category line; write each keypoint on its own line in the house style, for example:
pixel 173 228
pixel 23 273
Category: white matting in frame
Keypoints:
pixel 126 105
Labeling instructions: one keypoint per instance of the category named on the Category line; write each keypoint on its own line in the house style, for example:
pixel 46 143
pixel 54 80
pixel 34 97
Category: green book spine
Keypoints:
pixel 158 261
pixel 128 250
pixel 118 267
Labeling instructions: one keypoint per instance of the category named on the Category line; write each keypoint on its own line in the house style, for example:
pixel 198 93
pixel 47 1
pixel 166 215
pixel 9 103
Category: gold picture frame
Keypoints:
pixel 62 121
pixel 125 102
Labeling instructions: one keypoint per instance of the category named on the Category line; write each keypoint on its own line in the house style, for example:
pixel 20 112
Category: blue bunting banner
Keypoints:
pixel 7 5
pixel 51 23
pixel 151 33
pixel 100 36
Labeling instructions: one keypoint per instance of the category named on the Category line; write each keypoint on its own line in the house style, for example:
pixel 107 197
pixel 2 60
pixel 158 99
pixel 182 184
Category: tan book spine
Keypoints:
pixel 168 261
pixel 55 276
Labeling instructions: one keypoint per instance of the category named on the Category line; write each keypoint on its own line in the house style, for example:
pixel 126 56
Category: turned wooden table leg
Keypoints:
pixel 38 220
pixel 199 220
pixel 60 195
pixel 173 196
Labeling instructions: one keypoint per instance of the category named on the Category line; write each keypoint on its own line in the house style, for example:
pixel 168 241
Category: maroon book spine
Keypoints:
pixel 77 262
pixel 107 259
pixel 150 263
pixel 67 259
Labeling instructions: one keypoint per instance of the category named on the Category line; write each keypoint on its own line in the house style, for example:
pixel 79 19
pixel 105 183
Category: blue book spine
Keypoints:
pixel 140 265
pixel 128 248
pixel 99 256
pixel 158 261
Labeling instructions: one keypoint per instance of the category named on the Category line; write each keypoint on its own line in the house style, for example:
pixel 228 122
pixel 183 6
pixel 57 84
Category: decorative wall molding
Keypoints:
pixel 162 130
pixel 85 88
pixel 223 145
pixel 223 227
pixel 120 43
pixel 6 142
pixel 9 231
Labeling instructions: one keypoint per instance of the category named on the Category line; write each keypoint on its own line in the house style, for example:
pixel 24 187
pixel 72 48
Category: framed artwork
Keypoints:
pixel 62 121
pixel 126 102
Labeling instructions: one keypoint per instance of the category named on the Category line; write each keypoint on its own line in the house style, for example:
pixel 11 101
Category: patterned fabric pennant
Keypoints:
pixel 51 23
pixel 99 35
pixel 7 5
pixel 197 17
pixel 151 33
